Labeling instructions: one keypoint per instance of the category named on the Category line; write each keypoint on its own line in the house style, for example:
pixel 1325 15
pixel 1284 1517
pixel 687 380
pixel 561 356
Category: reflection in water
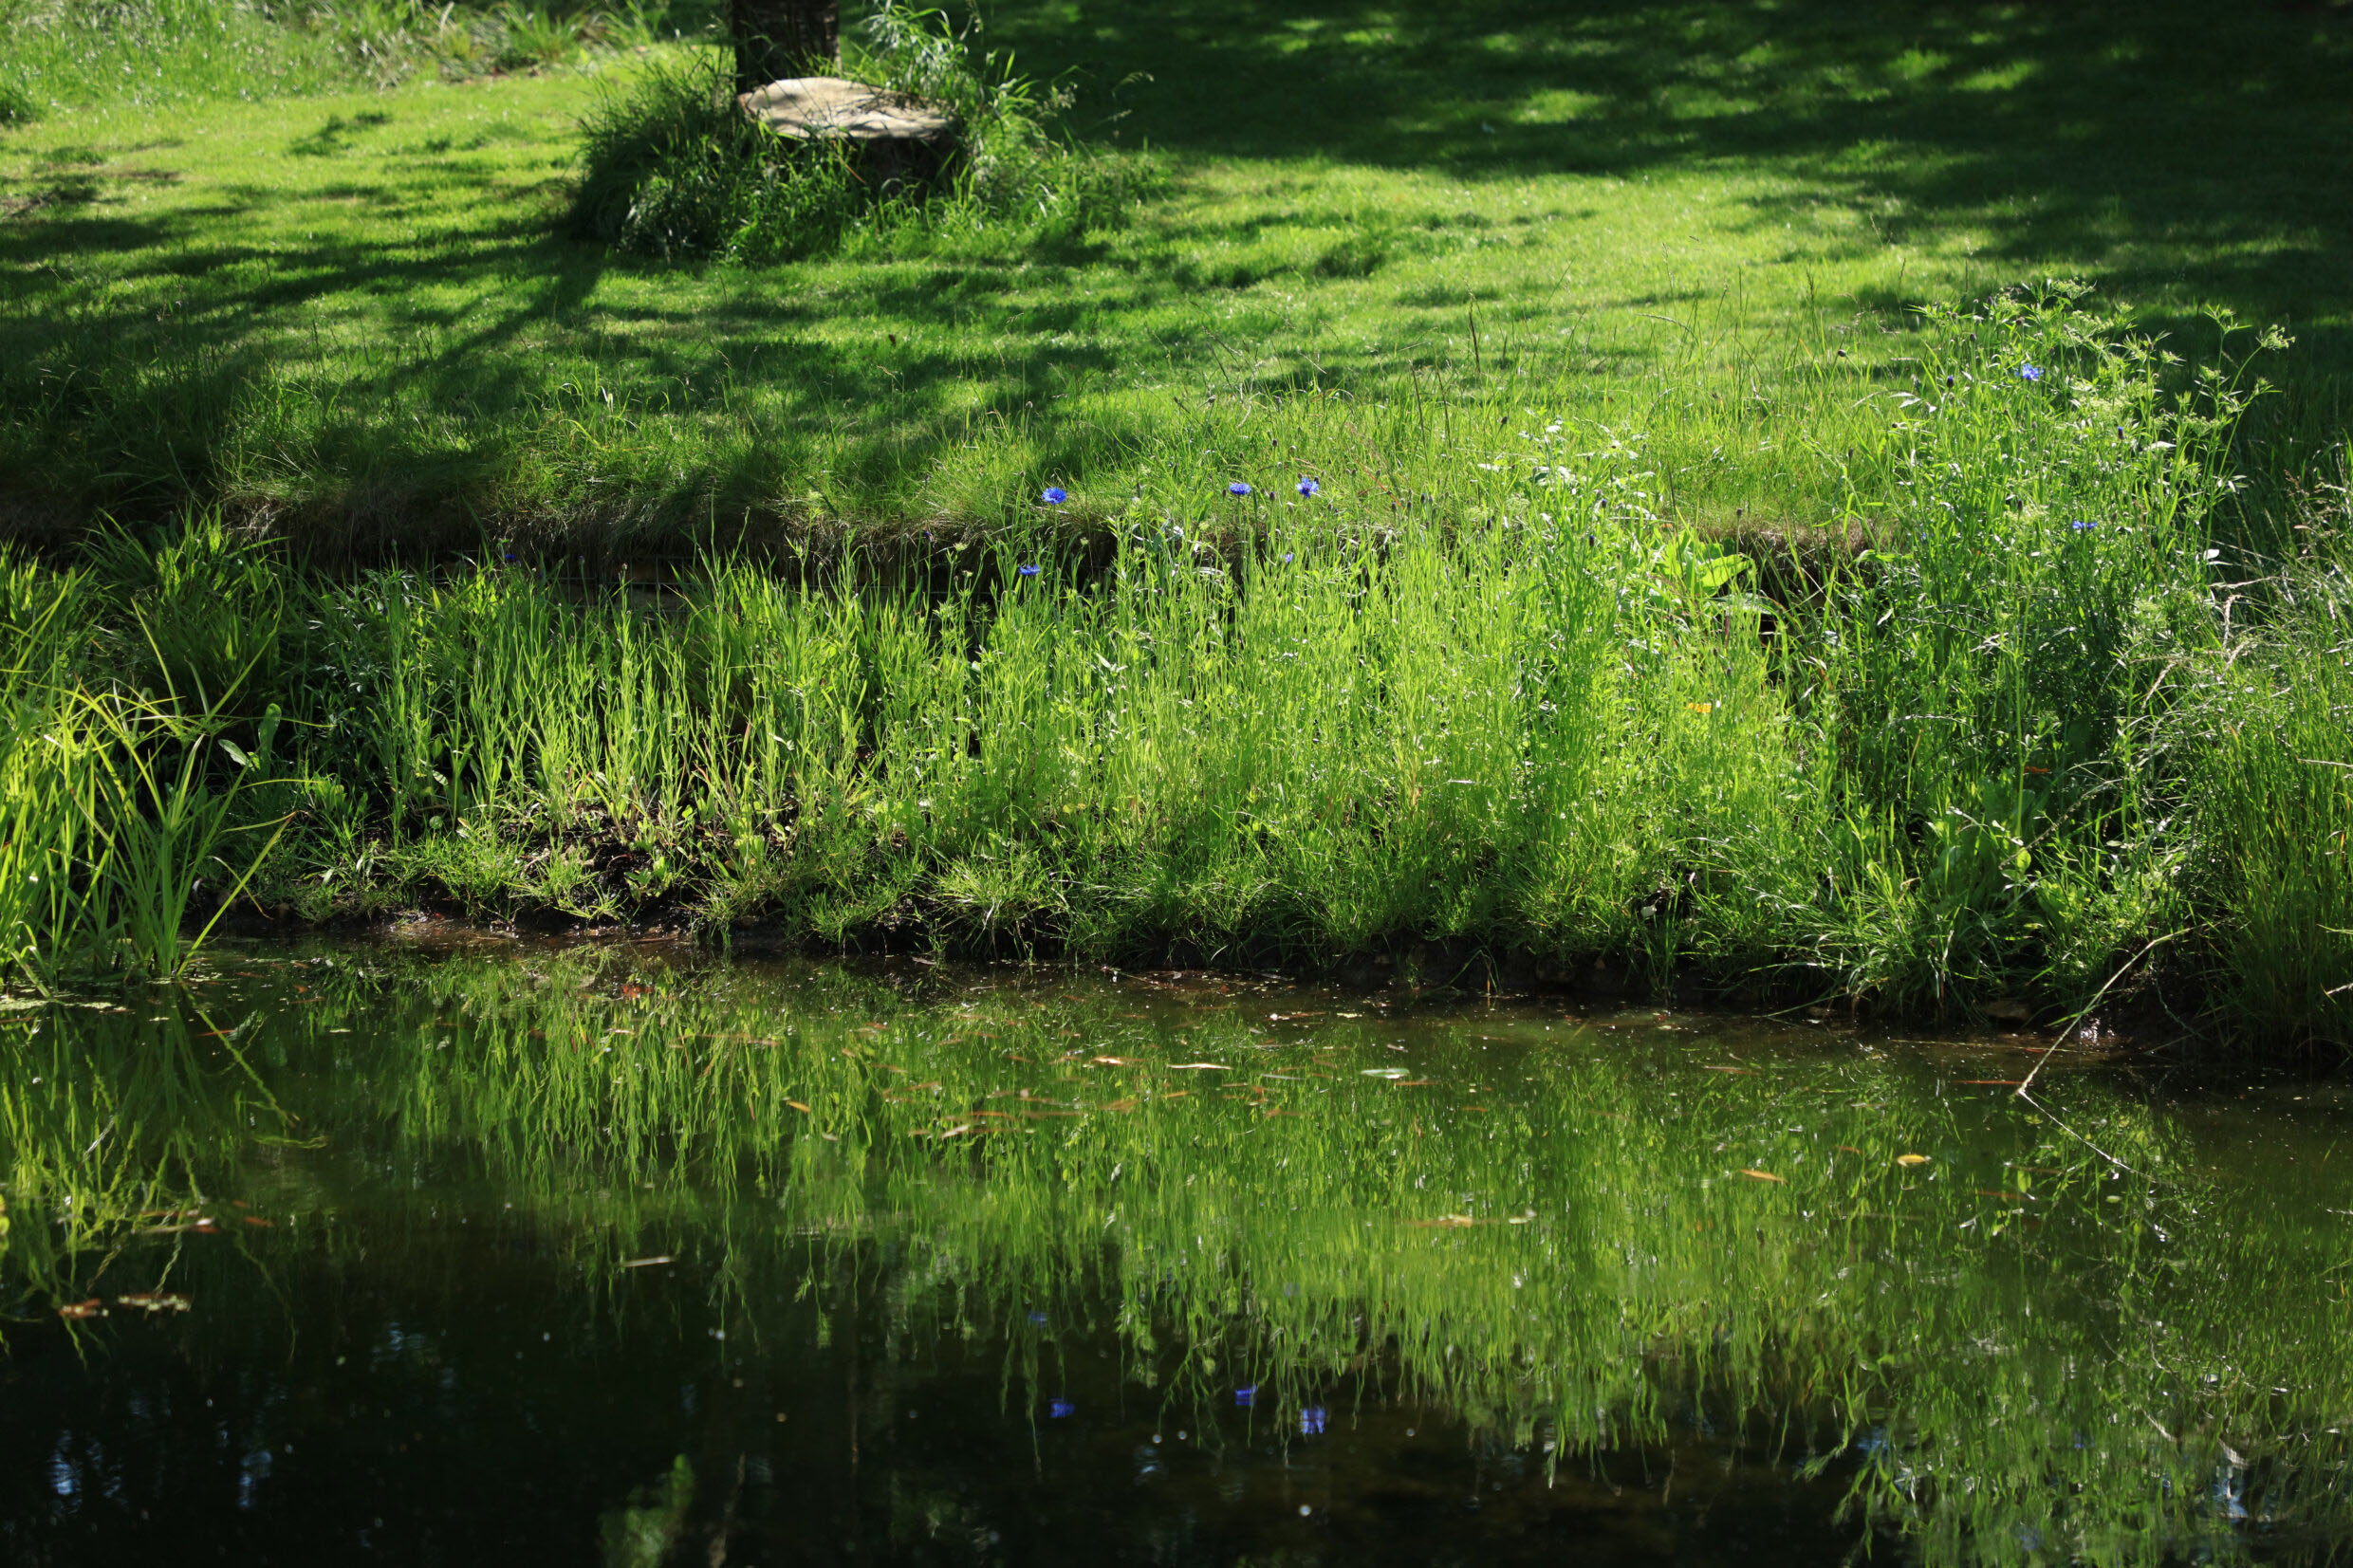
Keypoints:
pixel 428 1256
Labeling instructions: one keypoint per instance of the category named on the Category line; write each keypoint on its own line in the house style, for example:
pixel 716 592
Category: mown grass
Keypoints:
pixel 354 318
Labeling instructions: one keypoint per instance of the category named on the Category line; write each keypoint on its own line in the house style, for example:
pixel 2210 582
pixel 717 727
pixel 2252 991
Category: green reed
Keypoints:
pixel 2099 1351
pixel 48 775
pixel 163 830
pixel 125 810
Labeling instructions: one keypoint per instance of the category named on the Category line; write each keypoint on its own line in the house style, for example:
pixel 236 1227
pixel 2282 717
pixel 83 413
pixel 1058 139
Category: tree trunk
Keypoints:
pixel 775 39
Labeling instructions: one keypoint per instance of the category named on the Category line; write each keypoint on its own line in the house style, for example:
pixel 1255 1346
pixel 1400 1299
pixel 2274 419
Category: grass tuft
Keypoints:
pixel 672 170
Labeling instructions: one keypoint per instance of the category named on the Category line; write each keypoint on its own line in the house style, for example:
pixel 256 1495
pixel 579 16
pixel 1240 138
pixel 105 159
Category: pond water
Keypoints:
pixel 617 1255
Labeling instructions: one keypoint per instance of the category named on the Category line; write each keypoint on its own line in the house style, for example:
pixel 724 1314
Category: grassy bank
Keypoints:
pixel 2042 750
pixel 1636 567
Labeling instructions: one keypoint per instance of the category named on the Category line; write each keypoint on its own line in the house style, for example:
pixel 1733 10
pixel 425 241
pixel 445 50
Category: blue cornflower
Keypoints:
pixel 1038 1318
pixel 511 556
pixel 1311 1421
pixel 2081 526
pixel 1060 1408
pixel 1245 1394
pixel 2030 373
pixel 1054 495
pixel 1287 558
pixel 1026 570
pixel 1308 486
pixel 1237 487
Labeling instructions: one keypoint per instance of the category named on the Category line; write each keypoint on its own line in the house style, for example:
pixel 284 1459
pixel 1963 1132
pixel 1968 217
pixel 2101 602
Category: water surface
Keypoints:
pixel 618 1256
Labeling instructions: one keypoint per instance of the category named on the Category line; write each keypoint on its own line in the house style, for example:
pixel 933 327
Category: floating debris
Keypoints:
pixel 151 1301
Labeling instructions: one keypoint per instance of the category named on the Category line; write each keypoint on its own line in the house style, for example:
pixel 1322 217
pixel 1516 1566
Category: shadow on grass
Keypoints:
pixel 2162 146
pixel 133 341
pixel 2172 152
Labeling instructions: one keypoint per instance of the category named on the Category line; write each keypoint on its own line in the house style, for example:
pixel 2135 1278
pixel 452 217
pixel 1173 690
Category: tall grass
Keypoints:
pixel 1524 721
pixel 2270 727
pixel 68 54
pixel 47 777
pixel 125 800
pixel 1527 717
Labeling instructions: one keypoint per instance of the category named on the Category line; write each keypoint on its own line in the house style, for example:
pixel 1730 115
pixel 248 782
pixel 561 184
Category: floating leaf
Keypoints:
pixel 798 1106
pixel 91 1308
pixel 1762 1175
pixel 1201 1067
pixel 1911 1159
pixel 151 1300
pixel 648 1262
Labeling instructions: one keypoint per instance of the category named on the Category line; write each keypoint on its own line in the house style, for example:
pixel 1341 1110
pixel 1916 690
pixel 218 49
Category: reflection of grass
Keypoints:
pixel 108 1131
pixel 1662 217
pixel 1975 1317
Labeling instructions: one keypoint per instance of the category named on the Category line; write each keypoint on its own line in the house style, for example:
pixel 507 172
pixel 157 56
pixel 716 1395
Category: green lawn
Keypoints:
pixel 356 315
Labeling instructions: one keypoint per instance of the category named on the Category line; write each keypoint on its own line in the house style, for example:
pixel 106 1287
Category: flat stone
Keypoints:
pixel 827 106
